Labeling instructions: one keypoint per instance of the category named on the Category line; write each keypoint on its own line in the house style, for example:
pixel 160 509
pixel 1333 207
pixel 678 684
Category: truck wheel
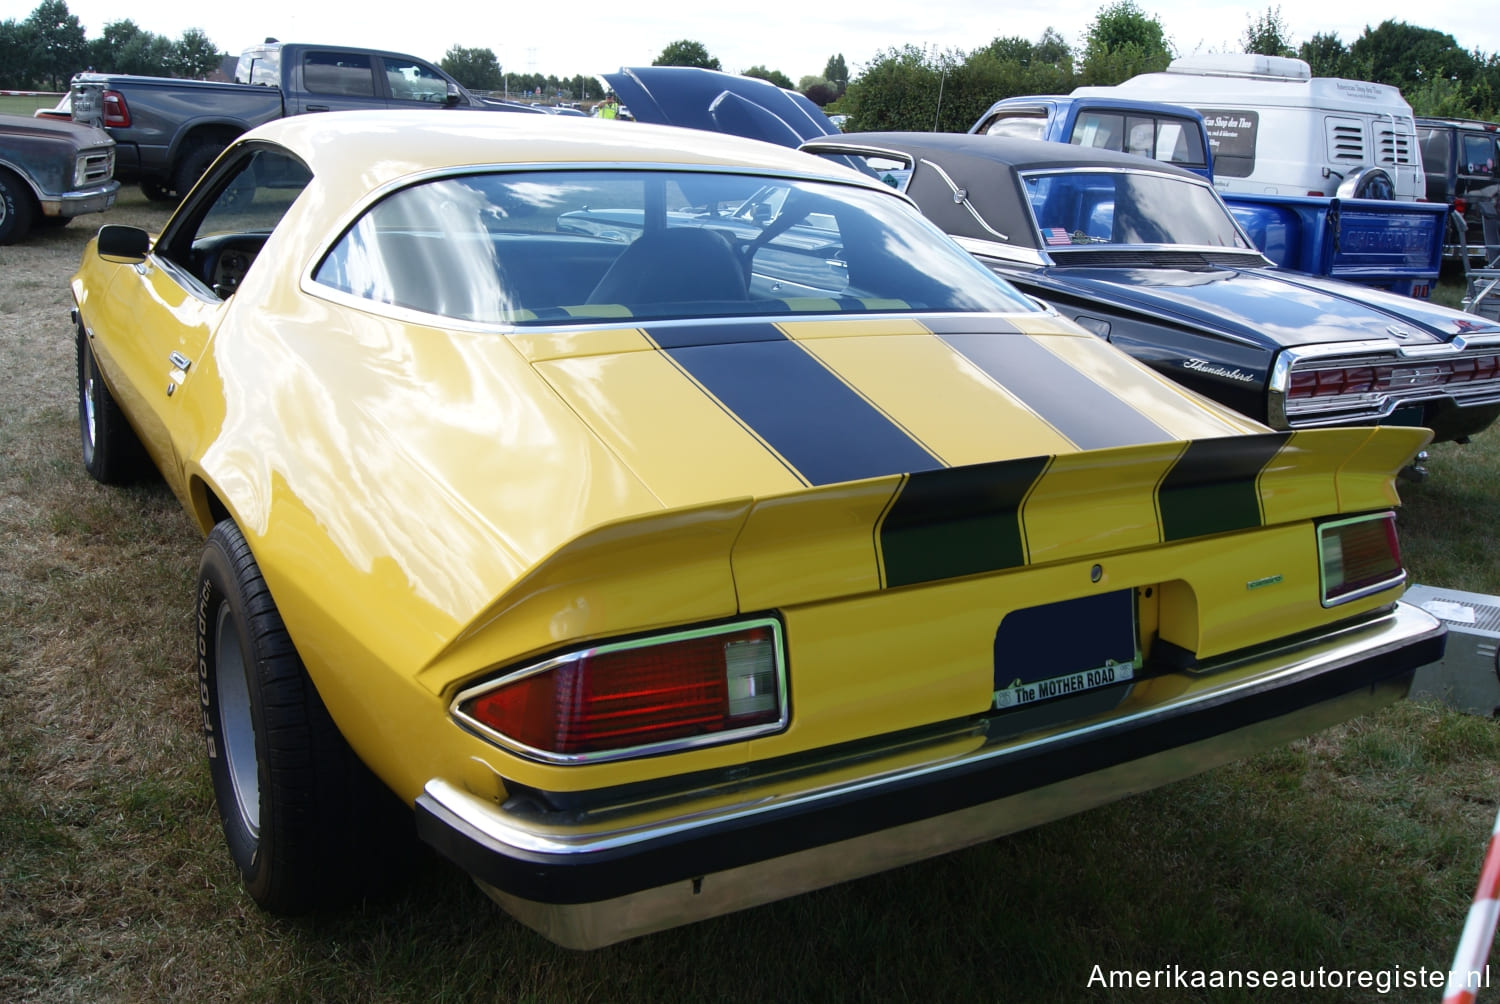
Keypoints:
pixel 191 165
pixel 155 191
pixel 16 210
pixel 307 824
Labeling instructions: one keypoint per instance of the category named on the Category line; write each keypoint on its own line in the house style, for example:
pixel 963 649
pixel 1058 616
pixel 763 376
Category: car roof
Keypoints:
pixel 980 152
pixel 980 167
pixel 365 150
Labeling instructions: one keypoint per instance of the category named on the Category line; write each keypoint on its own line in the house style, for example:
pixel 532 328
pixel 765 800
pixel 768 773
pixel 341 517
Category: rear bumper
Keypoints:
pixel 627 872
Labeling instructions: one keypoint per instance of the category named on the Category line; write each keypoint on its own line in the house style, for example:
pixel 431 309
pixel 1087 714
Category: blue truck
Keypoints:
pixel 1390 244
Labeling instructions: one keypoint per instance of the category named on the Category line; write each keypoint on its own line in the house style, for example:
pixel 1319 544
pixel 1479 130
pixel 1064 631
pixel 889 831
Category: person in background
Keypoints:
pixel 610 108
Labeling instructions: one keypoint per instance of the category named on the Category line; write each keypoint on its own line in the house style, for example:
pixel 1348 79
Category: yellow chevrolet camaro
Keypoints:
pixel 668 523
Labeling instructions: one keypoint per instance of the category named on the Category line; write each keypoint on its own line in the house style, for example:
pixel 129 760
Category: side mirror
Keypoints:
pixel 453 98
pixel 126 245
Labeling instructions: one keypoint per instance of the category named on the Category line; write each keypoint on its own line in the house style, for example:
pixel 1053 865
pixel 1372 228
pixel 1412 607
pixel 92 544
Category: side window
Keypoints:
pixel 222 232
pixel 347 74
pixel 1027 126
pixel 1140 136
pixel 410 80
pixel 1179 142
pixel 1231 135
pixel 1478 155
pixel 1099 130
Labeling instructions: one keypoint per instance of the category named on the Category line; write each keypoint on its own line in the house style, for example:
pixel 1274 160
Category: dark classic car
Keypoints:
pixel 1146 256
pixel 50 172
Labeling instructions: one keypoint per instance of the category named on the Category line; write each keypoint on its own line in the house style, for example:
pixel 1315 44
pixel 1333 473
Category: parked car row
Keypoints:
pixel 1147 256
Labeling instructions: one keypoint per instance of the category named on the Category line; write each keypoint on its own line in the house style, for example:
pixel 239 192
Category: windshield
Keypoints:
pixel 577 246
pixel 1126 208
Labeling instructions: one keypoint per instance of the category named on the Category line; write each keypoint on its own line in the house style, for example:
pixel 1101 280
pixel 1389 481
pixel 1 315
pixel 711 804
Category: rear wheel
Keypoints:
pixel 16 208
pixel 111 452
pixel 191 165
pixel 307 824
pixel 155 191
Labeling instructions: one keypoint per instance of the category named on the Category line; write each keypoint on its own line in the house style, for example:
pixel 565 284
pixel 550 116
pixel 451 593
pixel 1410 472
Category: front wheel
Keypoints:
pixel 111 452
pixel 16 208
pixel 307 824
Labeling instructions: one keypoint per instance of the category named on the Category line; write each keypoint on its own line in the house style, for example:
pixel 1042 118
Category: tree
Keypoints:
pixel 836 72
pixel 476 69
pixel 1122 42
pixel 1267 35
pixel 194 56
pixel 1404 56
pixel 59 45
pixel 16 55
pixel 1053 50
pixel 774 76
pixel 1327 56
pixel 686 53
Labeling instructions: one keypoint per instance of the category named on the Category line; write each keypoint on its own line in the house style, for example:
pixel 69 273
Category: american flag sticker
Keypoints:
pixel 1057 235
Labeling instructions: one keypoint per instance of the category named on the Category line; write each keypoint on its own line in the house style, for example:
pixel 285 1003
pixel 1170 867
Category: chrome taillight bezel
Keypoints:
pixel 1396 578
pixel 677 745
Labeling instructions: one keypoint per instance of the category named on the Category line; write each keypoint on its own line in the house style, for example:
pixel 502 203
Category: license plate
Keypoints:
pixel 1061 649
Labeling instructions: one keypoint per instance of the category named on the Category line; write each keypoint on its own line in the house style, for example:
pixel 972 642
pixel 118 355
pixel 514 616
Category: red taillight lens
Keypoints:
pixel 1360 556
pixel 643 696
pixel 116 111
pixel 1460 205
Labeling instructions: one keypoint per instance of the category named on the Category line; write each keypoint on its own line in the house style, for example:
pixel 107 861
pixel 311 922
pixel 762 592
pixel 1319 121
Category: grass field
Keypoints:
pixel 11 104
pixel 1356 849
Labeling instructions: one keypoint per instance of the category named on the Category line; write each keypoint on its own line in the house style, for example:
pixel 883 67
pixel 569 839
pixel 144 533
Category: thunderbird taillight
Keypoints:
pixel 1359 556
pixel 638 697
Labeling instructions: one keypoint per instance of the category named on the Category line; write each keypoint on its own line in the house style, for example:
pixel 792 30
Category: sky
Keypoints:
pixel 796 37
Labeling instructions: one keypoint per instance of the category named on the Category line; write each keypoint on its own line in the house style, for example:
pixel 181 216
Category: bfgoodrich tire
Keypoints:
pixel 307 825
pixel 111 452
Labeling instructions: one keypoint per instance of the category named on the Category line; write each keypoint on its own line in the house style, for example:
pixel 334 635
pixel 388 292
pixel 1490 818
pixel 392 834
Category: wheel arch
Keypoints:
pixel 207 504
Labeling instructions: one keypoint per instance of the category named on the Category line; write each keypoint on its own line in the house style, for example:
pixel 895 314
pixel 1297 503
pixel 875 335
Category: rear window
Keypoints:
pixel 1128 208
pixel 549 247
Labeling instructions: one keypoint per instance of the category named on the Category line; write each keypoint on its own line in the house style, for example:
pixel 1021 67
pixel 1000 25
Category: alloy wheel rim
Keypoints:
pixel 237 733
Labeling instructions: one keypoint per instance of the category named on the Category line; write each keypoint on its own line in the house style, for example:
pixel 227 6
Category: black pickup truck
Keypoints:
pixel 168 131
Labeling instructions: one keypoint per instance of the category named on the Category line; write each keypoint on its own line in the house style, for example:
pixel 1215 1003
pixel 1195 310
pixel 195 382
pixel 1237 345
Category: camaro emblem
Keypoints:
pixel 1269 580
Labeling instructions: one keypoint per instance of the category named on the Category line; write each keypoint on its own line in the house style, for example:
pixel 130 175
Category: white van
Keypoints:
pixel 1276 129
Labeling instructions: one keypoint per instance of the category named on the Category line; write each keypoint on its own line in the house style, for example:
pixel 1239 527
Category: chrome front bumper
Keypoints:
pixel 80 201
pixel 591 878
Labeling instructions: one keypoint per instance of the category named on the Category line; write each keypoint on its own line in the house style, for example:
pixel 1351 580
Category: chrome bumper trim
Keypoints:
pixel 1319 681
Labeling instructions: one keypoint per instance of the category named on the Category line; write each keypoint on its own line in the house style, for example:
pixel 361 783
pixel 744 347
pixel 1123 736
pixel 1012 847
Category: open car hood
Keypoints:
pixel 694 98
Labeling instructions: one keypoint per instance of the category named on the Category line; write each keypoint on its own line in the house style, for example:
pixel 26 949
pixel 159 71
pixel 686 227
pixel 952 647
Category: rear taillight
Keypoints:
pixel 116 111
pixel 1338 381
pixel 1359 556
pixel 1460 205
pixel 638 697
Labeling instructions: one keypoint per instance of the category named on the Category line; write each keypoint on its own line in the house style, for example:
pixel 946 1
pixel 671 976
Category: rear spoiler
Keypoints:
pixel 709 562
